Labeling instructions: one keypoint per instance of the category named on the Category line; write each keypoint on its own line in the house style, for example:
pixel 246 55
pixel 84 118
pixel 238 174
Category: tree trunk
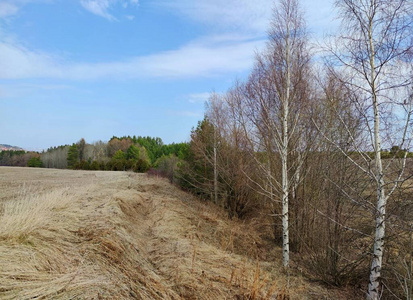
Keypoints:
pixel 376 264
pixel 284 158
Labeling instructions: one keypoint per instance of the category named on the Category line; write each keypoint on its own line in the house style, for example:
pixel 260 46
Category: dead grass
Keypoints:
pixel 115 235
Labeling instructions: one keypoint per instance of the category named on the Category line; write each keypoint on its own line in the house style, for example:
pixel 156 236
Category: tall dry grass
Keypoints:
pixel 58 245
pixel 126 236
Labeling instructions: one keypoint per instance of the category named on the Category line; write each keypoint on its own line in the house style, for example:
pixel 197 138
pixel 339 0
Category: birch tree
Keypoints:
pixel 373 54
pixel 275 96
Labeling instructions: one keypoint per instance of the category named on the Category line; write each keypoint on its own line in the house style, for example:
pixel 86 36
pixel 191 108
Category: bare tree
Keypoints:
pixel 100 151
pixel 81 146
pixel 336 253
pixel 372 53
pixel 55 157
pixel 231 156
pixel 274 97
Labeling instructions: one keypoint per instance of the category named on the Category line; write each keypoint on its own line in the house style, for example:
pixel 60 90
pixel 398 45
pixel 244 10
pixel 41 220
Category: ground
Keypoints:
pixel 117 235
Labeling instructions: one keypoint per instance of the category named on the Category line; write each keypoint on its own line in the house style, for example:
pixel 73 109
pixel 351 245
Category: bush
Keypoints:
pixel 95 165
pixel 82 165
pixel 141 166
pixel 35 162
pixel 130 164
pixel 166 166
pixel 107 166
pixel 118 165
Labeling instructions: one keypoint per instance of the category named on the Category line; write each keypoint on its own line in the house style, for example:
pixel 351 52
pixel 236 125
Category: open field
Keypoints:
pixel 117 235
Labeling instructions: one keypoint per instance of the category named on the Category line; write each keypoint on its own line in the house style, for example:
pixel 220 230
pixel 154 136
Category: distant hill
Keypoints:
pixel 5 147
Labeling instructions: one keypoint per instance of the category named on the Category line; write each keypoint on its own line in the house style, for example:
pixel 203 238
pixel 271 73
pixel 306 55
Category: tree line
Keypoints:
pixel 20 158
pixel 119 154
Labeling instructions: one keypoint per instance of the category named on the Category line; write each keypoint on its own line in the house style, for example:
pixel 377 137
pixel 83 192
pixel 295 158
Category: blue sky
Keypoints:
pixel 97 68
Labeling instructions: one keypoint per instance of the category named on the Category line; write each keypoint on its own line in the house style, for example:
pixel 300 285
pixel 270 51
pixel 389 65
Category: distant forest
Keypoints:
pixel 138 154
pixel 125 153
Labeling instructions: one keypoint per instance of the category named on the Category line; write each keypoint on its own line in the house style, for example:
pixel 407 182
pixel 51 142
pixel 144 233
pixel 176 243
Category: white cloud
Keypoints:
pixel 11 7
pixel 230 14
pixel 202 58
pixel 102 7
pixel 98 7
pixel 222 53
pixel 198 98
pixel 19 62
pixel 7 9
pixel 248 16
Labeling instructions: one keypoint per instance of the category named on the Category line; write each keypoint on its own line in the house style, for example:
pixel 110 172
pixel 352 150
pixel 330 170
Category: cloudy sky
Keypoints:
pixel 98 68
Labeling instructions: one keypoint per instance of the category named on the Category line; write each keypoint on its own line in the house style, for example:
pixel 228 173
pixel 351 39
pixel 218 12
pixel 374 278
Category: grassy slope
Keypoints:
pixel 104 235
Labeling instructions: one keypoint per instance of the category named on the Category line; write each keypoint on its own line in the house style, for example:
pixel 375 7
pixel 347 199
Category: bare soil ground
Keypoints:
pixel 117 235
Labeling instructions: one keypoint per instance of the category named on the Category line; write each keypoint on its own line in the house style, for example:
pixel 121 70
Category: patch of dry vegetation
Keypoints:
pixel 95 235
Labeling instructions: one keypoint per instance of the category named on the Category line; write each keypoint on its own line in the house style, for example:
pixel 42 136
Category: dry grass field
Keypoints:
pixel 117 235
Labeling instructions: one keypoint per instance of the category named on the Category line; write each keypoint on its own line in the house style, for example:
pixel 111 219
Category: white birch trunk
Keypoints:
pixel 285 227
pixel 297 177
pixel 284 157
pixel 376 264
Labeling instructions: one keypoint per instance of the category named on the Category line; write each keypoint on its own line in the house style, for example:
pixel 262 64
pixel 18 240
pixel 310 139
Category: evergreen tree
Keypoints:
pixel 132 153
pixel 72 156
pixel 119 155
pixel 35 162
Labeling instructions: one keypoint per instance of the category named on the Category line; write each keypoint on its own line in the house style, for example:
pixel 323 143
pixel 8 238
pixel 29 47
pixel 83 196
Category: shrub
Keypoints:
pixel 95 165
pixel 141 166
pixel 35 162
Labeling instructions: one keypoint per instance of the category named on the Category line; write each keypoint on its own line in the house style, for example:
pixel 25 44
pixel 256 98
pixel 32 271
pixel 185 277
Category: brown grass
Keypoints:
pixel 116 235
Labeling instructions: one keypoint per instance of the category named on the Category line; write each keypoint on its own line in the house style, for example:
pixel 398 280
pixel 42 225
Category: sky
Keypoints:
pixel 94 69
